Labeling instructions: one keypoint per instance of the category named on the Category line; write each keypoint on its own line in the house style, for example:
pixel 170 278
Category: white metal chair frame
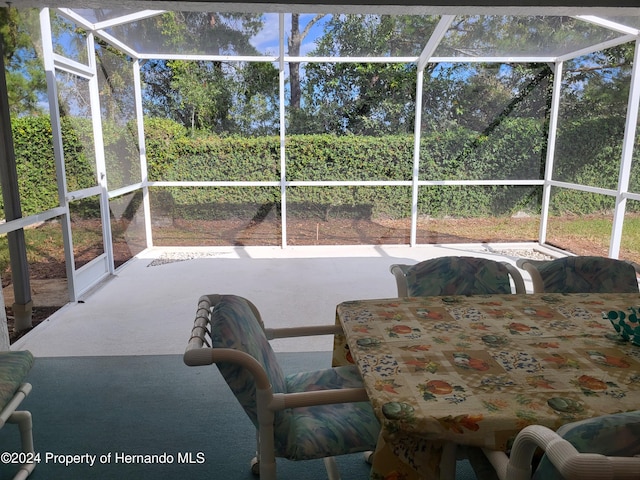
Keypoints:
pixel 22 418
pixel 568 461
pixel 198 352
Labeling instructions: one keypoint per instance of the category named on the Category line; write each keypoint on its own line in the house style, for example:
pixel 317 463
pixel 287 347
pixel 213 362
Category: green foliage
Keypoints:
pixel 35 163
pixel 203 93
pixel 515 150
pixel 329 157
pixel 25 76
pixel 589 150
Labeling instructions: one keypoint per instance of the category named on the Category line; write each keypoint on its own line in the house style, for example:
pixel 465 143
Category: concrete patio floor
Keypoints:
pixel 148 307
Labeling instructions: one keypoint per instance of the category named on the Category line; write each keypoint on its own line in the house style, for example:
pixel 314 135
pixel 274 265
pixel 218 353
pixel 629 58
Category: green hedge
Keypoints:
pixel 33 145
pixel 588 151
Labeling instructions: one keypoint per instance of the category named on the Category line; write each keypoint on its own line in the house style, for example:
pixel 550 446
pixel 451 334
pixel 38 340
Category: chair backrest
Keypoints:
pixel 582 274
pixel 455 276
pixel 236 324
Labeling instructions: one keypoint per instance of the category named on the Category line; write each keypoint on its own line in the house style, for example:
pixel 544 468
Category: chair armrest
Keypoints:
pixel 23 390
pixel 399 271
pixel 564 456
pixel 280 401
pixel 307 331
pixel 194 356
pixel 635 265
pixel 530 267
pixel 318 397
pixel 527 263
pixel 518 281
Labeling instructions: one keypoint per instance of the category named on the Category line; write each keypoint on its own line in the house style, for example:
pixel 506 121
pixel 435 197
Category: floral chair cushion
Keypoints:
pixel 615 435
pixel 327 430
pixel 457 276
pixel 587 274
pixel 14 367
pixel 235 325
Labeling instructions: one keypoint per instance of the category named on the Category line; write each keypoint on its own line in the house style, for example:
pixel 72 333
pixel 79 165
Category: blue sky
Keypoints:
pixel 267 40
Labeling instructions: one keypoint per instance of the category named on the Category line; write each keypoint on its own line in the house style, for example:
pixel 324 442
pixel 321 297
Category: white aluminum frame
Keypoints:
pixel 80 281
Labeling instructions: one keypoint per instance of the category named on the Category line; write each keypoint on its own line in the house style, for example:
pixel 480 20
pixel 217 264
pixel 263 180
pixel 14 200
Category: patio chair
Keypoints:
pixel 606 447
pixel 14 367
pixel 456 276
pixel 318 414
pixel 581 274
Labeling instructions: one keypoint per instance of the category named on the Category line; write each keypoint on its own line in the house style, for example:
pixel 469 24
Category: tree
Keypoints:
pixel 364 98
pixel 485 94
pixel 204 93
pixel 295 40
pixel 598 84
pixel 26 80
pixel 256 105
pixel 198 94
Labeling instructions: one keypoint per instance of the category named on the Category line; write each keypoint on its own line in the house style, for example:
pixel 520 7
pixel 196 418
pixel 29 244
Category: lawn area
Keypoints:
pixel 45 253
pixel 581 235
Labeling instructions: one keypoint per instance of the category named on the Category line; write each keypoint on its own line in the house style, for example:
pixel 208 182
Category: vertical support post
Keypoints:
pixel 627 157
pixel 5 341
pixel 23 306
pixel 551 151
pixel 144 171
pixel 58 150
pixel 98 140
pixel 429 49
pixel 415 176
pixel 283 153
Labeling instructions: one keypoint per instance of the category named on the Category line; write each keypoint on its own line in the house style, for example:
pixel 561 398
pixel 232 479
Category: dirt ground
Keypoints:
pixel 357 231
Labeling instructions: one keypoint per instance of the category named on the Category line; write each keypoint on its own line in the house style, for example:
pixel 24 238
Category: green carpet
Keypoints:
pixel 181 422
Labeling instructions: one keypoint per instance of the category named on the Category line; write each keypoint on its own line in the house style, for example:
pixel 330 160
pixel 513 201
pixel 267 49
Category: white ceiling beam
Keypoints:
pixel 75 18
pixel 123 47
pixel 434 40
pixel 411 59
pixel 421 7
pixel 274 58
pixel 496 59
pixel 134 17
pixel 207 58
pixel 599 47
pixel 615 26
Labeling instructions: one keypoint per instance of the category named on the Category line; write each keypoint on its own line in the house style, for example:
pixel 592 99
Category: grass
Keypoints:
pixel 582 235
pixel 45 249
pixel 592 233
pixel 579 235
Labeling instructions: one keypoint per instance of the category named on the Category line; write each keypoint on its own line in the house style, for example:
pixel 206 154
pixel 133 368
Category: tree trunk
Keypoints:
pixel 295 40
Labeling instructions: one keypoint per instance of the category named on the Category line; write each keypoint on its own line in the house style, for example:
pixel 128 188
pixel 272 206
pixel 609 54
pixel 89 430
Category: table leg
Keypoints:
pixel 448 461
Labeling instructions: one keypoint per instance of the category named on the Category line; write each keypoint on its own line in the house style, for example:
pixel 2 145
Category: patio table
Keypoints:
pixel 475 370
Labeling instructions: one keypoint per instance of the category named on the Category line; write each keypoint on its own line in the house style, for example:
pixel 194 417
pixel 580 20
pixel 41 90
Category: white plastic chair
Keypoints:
pixel 606 447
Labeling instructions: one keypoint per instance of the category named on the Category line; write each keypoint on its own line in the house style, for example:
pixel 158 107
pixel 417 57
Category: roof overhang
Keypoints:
pixel 506 7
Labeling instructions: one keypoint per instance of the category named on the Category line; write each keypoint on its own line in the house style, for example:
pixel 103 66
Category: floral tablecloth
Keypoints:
pixel 475 370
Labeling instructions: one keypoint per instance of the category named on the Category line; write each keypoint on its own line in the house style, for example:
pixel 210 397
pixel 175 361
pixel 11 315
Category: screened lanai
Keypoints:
pixel 332 125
